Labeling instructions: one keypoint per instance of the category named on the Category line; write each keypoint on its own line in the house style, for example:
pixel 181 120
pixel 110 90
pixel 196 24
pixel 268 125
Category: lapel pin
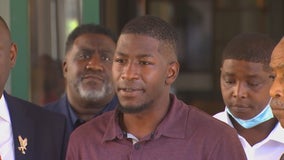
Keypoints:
pixel 23 144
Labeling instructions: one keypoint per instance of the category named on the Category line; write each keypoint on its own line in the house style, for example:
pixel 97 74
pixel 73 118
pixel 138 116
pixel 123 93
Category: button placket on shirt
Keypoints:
pixel 137 146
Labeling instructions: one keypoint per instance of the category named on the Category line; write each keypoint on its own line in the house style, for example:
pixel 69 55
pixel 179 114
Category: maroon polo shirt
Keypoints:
pixel 186 133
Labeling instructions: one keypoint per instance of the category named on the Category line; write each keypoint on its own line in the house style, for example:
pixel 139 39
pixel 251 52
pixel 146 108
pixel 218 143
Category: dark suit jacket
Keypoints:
pixel 61 106
pixel 44 130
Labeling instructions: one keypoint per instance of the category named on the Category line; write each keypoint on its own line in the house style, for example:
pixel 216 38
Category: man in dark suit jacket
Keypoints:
pixel 27 131
pixel 87 71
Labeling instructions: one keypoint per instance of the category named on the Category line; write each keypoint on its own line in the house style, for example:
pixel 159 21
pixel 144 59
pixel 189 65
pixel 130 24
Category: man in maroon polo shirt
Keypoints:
pixel 150 123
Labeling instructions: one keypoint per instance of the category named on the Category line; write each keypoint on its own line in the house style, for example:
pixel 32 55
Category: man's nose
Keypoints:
pixel 276 89
pixel 130 72
pixel 94 63
pixel 240 90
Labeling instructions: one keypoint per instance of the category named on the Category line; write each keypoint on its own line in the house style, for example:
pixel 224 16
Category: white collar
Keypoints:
pixel 4 112
pixel 276 134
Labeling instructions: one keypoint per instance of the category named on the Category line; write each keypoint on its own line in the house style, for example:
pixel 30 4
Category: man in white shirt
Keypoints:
pixel 26 130
pixel 6 140
pixel 277 88
pixel 245 82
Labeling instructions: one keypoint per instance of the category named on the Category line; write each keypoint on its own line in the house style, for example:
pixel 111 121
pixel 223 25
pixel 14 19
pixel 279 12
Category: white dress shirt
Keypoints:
pixel 271 148
pixel 6 134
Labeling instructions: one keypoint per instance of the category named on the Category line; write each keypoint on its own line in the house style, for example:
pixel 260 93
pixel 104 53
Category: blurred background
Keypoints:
pixel 40 29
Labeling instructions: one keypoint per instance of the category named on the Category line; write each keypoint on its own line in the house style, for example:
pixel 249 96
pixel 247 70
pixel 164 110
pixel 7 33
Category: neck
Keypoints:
pixel 256 134
pixel 86 116
pixel 86 110
pixel 144 123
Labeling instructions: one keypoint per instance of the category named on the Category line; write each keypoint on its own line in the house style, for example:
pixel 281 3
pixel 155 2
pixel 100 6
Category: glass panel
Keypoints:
pixel 51 21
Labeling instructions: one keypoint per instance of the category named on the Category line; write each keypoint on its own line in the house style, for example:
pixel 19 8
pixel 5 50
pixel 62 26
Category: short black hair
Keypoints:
pixel 88 29
pixel 251 47
pixel 153 27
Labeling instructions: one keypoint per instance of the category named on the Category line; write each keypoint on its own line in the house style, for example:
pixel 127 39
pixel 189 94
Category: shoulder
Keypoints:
pixel 204 119
pixel 31 110
pixel 56 105
pixel 98 125
pixel 45 128
pixel 198 120
pixel 217 136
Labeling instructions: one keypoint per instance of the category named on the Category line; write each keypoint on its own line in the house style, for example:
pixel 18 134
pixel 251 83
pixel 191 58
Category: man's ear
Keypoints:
pixel 13 54
pixel 64 67
pixel 172 73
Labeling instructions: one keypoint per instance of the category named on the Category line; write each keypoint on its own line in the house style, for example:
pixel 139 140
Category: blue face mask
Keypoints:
pixel 265 115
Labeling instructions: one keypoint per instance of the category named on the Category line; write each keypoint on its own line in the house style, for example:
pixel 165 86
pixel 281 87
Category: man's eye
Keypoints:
pixel 145 62
pixel 84 56
pixel 253 84
pixel 119 60
pixel 229 82
pixel 272 77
